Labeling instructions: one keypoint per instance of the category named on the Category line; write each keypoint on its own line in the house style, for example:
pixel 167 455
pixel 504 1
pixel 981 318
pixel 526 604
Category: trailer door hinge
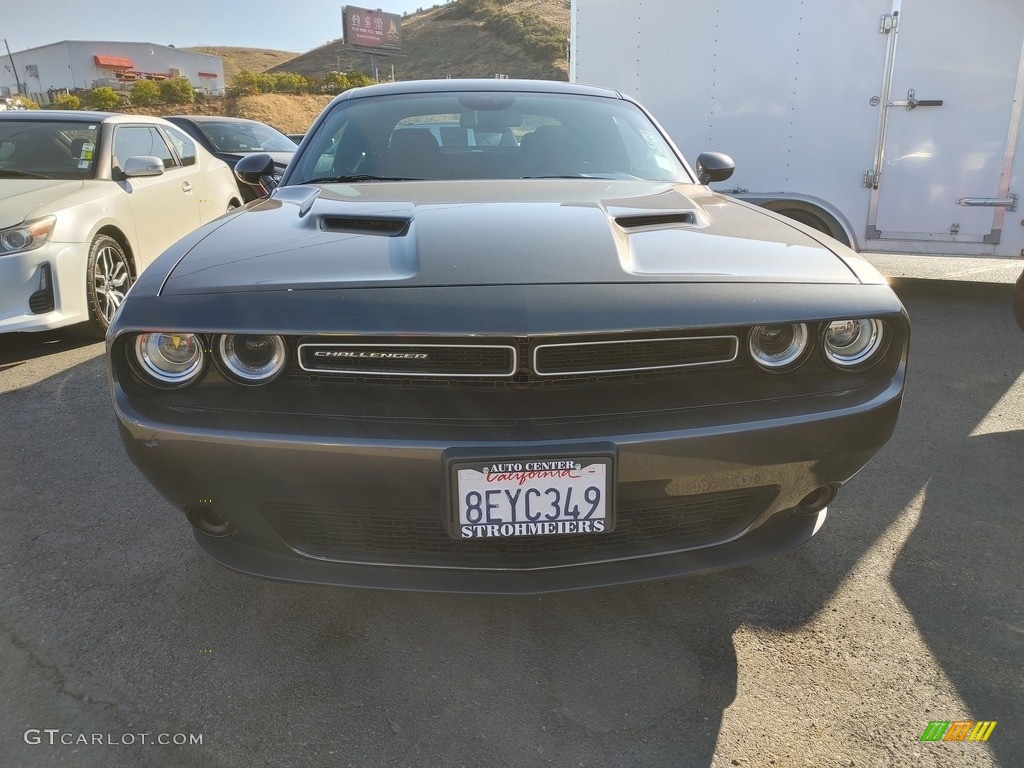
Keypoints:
pixel 889 22
pixel 871 179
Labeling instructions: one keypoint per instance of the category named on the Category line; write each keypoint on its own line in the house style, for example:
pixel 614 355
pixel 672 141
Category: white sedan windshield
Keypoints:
pixel 48 149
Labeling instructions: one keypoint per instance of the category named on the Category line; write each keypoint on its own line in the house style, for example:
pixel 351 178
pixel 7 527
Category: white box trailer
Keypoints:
pixel 894 125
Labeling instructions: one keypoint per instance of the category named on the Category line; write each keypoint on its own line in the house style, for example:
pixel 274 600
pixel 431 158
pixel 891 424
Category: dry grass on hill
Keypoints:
pixel 287 113
pixel 435 45
pixel 252 59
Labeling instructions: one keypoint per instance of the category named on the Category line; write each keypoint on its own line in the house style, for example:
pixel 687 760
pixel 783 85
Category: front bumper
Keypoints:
pixel 20 278
pixel 262 480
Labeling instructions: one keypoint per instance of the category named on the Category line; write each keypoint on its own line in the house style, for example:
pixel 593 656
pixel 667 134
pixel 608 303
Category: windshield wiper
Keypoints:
pixel 610 176
pixel 23 174
pixel 357 177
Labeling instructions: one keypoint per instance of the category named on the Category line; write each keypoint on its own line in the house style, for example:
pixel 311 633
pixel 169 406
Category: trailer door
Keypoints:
pixel 949 125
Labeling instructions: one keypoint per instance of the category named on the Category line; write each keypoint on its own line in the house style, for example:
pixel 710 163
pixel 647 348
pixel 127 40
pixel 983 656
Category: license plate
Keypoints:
pixel 513 497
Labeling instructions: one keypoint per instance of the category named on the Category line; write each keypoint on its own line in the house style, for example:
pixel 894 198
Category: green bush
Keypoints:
pixel 265 82
pixel 103 99
pixel 244 84
pixel 290 82
pixel 145 93
pixel 177 90
pixel 67 101
pixel 26 102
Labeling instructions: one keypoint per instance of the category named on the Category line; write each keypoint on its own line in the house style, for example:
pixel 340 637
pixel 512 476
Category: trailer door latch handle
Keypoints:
pixel 912 102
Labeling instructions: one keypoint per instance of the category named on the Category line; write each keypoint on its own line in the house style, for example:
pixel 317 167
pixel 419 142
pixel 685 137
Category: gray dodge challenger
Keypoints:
pixel 498 336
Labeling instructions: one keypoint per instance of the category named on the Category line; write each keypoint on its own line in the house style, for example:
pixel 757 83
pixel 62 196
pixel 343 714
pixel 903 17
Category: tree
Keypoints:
pixel 145 93
pixel 67 101
pixel 103 99
pixel 177 90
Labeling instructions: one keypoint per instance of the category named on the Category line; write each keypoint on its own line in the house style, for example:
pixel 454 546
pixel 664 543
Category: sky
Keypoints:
pixel 287 26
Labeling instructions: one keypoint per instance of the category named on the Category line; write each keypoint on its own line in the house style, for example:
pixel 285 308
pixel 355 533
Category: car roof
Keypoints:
pixel 499 86
pixel 212 119
pixel 57 114
pixel 78 115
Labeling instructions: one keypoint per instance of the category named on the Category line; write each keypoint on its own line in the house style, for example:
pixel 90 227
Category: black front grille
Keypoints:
pixel 409 359
pixel 513 361
pixel 633 355
pixel 417 537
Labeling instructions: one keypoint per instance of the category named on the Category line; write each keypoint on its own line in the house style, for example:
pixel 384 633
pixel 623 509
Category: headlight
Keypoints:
pixel 170 359
pixel 776 347
pixel 853 343
pixel 252 358
pixel 27 236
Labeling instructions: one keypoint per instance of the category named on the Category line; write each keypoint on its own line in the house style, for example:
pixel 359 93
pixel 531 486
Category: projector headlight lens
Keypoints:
pixel 777 347
pixel 252 358
pixel 169 359
pixel 853 343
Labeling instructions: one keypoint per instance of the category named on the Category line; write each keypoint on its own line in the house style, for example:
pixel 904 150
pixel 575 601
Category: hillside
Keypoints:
pixel 461 39
pixel 286 112
pixel 236 59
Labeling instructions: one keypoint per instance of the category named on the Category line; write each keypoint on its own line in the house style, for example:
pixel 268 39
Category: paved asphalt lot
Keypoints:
pixel 906 608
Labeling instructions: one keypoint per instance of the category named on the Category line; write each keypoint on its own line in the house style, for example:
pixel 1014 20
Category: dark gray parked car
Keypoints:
pixel 232 138
pixel 497 336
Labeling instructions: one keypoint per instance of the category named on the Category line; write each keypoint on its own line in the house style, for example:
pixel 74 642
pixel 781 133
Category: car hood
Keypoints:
pixel 20 197
pixel 500 233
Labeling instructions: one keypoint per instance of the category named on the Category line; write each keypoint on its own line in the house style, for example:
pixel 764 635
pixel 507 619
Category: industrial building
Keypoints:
pixel 73 65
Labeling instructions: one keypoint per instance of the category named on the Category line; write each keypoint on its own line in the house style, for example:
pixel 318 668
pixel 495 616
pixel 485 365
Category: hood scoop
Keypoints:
pixel 386 226
pixel 656 219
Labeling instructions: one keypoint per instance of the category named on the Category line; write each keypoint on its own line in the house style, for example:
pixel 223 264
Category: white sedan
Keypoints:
pixel 87 201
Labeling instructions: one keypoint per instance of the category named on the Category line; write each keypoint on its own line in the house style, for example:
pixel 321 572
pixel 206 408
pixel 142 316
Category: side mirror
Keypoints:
pixel 143 165
pixel 714 166
pixel 257 171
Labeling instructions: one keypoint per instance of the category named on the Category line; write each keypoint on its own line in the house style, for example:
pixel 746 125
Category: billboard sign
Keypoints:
pixel 372 29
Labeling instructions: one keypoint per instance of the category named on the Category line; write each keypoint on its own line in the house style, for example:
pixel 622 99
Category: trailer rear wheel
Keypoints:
pixel 806 217
pixel 813 217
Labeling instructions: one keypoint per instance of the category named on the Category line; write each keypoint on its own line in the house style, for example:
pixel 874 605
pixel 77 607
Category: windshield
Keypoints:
pixel 48 149
pixel 486 135
pixel 243 136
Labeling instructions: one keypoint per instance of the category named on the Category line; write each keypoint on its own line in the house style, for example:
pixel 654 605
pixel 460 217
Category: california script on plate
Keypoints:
pixel 537 497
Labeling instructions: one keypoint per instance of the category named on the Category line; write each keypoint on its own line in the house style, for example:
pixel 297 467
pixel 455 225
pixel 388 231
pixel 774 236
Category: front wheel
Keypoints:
pixel 108 279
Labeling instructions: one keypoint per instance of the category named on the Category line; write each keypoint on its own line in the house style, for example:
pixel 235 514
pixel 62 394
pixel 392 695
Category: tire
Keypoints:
pixel 107 280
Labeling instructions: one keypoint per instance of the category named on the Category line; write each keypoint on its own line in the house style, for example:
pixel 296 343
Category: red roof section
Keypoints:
pixel 116 62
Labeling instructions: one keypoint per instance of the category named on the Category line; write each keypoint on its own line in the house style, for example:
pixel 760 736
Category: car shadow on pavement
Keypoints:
pixel 16 348
pixel 961 571
pixel 113 621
